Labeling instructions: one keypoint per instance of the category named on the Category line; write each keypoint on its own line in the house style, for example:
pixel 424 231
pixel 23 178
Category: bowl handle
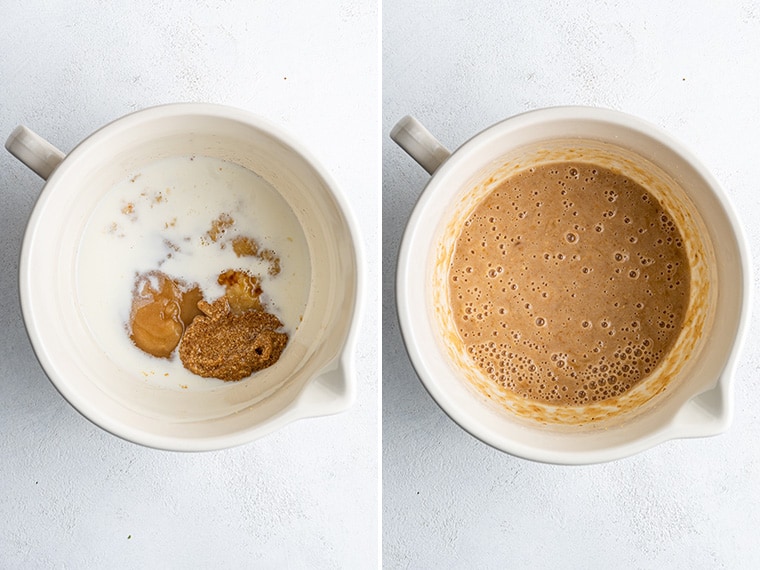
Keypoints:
pixel 34 151
pixel 418 143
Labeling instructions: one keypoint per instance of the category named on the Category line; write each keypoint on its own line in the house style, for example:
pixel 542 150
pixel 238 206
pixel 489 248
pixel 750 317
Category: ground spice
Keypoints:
pixel 230 346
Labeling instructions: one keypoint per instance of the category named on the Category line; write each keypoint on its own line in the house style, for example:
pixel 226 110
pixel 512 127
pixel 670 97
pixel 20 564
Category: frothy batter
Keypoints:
pixel 569 283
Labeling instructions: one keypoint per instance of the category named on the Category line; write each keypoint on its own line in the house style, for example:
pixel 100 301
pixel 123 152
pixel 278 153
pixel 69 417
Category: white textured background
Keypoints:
pixel 449 501
pixel 72 496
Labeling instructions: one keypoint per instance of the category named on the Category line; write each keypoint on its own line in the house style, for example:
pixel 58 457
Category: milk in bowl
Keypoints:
pixel 191 218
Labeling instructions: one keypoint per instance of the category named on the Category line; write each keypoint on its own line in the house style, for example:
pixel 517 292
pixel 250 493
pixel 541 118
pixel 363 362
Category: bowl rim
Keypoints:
pixel 296 409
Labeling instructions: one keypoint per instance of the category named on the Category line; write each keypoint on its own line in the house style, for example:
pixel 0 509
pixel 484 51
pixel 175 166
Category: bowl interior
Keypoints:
pixel 115 394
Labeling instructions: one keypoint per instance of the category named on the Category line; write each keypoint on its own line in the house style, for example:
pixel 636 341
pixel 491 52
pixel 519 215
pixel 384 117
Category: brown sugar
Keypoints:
pixel 273 259
pixel 245 247
pixel 231 346
pixel 220 225
pixel 243 290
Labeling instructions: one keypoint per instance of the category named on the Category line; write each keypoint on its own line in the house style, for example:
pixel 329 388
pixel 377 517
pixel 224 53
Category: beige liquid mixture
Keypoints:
pixel 569 284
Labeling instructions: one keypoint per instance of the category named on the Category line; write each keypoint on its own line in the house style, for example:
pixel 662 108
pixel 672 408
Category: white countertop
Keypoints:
pixel 72 495
pixel 450 501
